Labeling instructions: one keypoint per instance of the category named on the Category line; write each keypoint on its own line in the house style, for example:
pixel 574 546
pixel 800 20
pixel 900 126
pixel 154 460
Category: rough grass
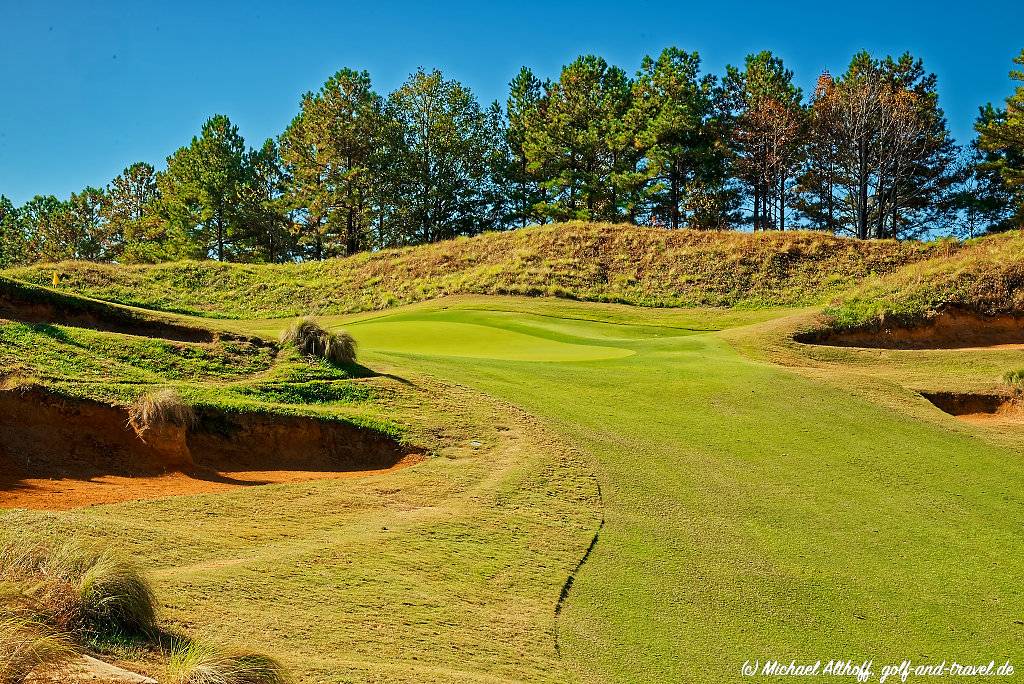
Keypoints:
pixel 28 646
pixel 310 339
pixel 52 350
pixel 1014 379
pixel 158 408
pixel 93 593
pixel 200 663
pixel 588 261
pixel 985 276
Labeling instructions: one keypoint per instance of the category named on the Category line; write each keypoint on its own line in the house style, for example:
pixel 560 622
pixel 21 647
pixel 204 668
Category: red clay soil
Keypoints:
pixel 971 406
pixel 59 453
pixel 950 329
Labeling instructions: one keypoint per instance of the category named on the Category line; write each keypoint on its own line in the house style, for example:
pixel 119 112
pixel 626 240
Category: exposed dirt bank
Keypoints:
pixel 949 329
pixel 57 452
pixel 971 406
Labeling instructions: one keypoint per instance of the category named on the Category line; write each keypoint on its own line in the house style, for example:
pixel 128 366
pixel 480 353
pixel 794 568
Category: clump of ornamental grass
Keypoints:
pixel 75 590
pixel 1015 379
pixel 193 662
pixel 310 339
pixel 162 407
pixel 29 647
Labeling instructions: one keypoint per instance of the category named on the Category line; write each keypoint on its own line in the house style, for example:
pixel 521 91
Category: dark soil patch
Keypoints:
pixel 975 405
pixel 949 329
pixel 59 452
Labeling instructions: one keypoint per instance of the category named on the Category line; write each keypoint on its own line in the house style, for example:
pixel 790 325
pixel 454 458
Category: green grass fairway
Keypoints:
pixel 473 337
pixel 750 512
pixel 752 498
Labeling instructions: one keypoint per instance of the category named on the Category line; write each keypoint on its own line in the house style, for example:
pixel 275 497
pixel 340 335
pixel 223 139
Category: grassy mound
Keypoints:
pixel 984 276
pixel 594 262
pixel 30 303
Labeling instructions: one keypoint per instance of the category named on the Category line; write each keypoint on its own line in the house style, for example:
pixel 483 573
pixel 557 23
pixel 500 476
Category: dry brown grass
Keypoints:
pixel 198 663
pixel 77 590
pixel 310 339
pixel 162 407
pixel 29 647
pixel 588 261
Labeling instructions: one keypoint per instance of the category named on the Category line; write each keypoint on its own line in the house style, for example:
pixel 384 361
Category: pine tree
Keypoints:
pixel 131 211
pixel 895 158
pixel 45 229
pixel 579 147
pixel 1001 141
pixel 675 117
pixel 440 163
pixel 330 157
pixel 201 191
pixel 87 233
pixel 13 246
pixel 816 197
pixel 267 236
pixel 767 135
pixel 524 111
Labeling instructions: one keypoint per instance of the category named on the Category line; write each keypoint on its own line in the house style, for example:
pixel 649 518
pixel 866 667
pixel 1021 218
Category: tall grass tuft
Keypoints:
pixel 162 407
pixel 197 663
pixel 99 593
pixel 1015 379
pixel 311 339
pixel 28 647
pixel 115 595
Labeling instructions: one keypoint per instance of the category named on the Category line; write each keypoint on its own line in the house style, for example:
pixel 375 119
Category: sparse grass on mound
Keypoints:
pixel 587 261
pixel 199 663
pixel 314 392
pixel 161 407
pixel 53 350
pixel 310 339
pixel 985 276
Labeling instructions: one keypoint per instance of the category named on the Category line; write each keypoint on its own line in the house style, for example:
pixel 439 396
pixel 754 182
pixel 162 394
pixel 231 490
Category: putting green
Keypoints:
pixel 487 335
pixel 750 512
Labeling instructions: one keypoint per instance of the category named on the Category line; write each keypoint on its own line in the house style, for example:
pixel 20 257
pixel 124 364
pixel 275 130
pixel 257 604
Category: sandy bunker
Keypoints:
pixel 977 406
pixel 951 328
pixel 58 452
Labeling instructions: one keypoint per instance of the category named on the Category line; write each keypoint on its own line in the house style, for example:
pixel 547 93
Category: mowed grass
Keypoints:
pixel 443 572
pixel 754 512
pixel 760 499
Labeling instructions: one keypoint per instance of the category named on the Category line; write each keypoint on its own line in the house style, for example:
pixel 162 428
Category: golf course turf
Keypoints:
pixel 751 498
pixel 752 512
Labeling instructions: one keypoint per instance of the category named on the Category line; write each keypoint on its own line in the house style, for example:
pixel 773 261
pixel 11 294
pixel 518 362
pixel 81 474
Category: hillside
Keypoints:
pixel 983 277
pixel 586 261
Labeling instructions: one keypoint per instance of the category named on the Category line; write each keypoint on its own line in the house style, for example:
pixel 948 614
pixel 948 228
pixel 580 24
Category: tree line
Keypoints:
pixel 867 154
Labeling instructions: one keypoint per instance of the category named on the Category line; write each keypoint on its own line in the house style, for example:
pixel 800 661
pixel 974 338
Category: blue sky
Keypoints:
pixel 87 88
